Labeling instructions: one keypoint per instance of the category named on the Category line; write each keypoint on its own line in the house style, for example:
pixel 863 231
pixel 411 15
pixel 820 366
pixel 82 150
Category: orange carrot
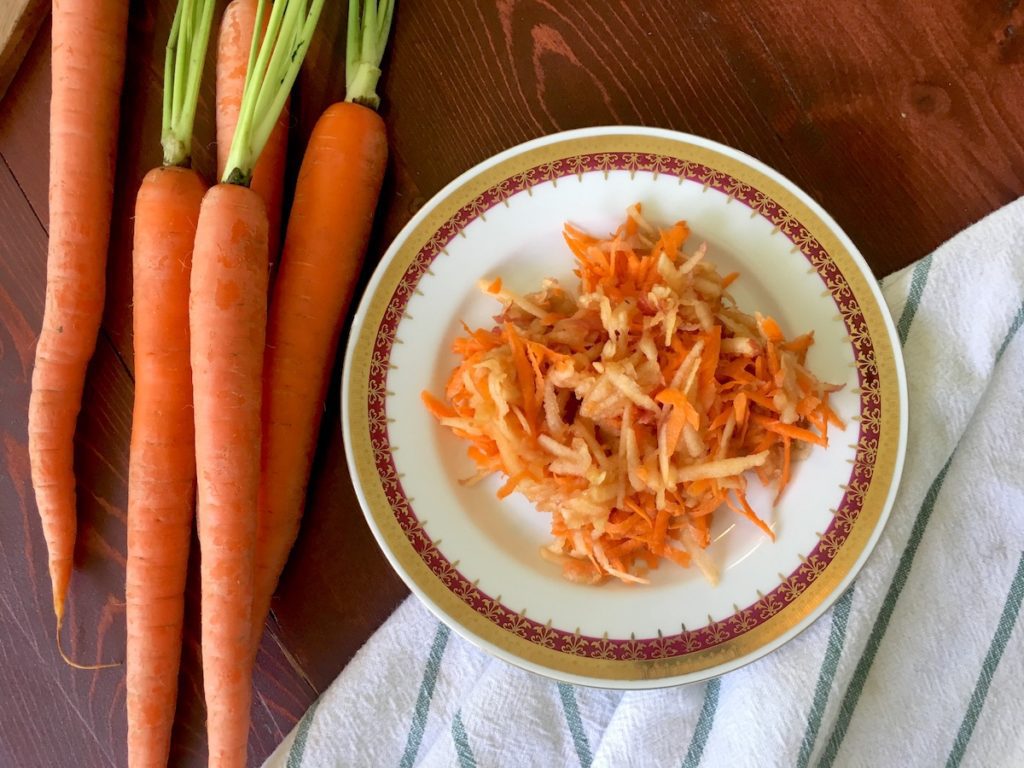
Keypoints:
pixel 797 433
pixel 227 318
pixel 233 47
pixel 436 407
pixel 161 466
pixel 161 469
pixel 680 557
pixel 709 364
pixel 787 450
pixel 682 414
pixel 770 329
pixel 524 374
pixel 328 231
pixel 740 406
pixel 510 485
pixel 745 510
pixel 660 528
pixel 87 70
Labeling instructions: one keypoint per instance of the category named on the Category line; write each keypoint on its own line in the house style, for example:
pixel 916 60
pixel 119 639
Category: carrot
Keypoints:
pixel 632 465
pixel 87 71
pixel 227 317
pixel 740 407
pixel 745 510
pixel 709 364
pixel 436 407
pixel 787 451
pixel 683 413
pixel 797 433
pixel 660 528
pixel 680 557
pixel 328 231
pixel 524 374
pixel 161 471
pixel 161 466
pixel 227 320
pixel 510 485
pixel 769 328
pixel 234 45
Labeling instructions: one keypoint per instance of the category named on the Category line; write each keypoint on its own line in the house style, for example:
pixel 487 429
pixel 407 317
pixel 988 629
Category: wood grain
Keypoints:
pixel 19 22
pixel 903 120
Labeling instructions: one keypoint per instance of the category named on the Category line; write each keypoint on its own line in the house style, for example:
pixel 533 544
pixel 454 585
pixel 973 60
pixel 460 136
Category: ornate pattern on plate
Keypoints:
pixel 716 632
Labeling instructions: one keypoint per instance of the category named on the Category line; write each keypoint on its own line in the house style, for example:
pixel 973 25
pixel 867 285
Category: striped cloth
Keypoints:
pixel 920 663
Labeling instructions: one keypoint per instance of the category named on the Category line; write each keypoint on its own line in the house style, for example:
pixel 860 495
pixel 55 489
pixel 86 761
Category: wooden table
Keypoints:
pixel 903 120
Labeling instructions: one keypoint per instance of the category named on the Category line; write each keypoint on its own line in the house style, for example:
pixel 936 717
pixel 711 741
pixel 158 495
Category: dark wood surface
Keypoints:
pixel 903 119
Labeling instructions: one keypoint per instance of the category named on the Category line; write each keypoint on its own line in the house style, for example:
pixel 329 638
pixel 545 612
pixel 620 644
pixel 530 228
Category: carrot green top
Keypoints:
pixel 369 23
pixel 273 66
pixel 183 69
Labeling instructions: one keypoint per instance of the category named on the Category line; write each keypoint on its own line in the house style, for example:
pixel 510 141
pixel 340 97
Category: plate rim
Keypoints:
pixel 716 669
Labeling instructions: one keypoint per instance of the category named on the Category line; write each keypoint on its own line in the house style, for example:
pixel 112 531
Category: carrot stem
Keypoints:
pixel 369 24
pixel 268 81
pixel 183 71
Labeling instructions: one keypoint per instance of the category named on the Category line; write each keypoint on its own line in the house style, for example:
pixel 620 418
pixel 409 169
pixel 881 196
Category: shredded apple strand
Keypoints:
pixel 632 412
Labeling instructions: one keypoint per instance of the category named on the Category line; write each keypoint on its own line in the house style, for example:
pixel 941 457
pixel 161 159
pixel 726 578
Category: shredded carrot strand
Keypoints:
pixel 797 433
pixel 436 407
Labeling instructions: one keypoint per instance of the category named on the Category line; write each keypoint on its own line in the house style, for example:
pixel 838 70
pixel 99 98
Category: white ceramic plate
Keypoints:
pixel 472 558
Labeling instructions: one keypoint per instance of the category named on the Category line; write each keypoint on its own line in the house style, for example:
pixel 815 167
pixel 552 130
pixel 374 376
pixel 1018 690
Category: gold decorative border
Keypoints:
pixel 878 450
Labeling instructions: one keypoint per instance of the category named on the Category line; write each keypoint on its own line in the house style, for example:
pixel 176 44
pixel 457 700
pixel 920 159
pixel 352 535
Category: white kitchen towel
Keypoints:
pixel 920 662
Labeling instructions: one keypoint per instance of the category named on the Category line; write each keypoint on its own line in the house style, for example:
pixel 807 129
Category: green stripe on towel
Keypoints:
pixel 299 745
pixel 704 724
pixel 1007 620
pixel 836 640
pixel 419 718
pixel 1015 325
pixel 572 719
pixel 462 748
pixel 917 282
pixel 899 580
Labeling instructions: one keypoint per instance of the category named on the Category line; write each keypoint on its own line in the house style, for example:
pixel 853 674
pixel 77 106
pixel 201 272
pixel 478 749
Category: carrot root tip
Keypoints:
pixel 71 662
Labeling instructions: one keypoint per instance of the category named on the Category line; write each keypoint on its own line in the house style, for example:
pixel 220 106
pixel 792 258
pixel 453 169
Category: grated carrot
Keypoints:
pixel 632 412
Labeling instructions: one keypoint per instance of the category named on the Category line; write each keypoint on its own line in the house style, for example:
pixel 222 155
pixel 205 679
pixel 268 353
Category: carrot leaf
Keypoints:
pixel 183 70
pixel 369 23
pixel 269 77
